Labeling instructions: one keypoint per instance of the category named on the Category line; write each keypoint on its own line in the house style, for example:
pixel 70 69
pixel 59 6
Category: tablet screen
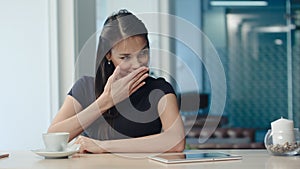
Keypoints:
pixel 194 157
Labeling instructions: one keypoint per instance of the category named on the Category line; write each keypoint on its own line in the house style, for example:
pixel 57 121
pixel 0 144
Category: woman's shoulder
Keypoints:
pixel 83 90
pixel 159 83
pixel 86 80
pixel 156 80
pixel 84 84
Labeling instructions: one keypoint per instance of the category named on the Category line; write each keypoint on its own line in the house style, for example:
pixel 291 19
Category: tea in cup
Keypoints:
pixel 56 141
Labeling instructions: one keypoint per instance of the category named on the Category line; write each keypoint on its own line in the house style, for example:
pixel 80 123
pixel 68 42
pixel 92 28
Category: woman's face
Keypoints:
pixel 130 54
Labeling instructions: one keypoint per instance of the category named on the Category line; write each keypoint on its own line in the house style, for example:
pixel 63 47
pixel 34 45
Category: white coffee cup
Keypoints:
pixel 56 141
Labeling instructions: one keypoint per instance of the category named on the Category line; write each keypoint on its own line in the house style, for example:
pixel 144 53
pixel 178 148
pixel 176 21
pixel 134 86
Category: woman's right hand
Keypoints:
pixel 120 86
pixel 88 145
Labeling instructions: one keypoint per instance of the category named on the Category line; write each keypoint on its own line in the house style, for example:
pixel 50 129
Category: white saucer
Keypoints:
pixel 58 154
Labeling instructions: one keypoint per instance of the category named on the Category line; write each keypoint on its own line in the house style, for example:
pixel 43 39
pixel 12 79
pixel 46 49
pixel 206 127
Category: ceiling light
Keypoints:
pixel 238 3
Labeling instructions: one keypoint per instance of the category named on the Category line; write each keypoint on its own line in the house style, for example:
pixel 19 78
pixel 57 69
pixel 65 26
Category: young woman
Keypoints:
pixel 122 108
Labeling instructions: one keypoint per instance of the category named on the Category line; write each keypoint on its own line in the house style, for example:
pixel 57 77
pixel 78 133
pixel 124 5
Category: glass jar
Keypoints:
pixel 285 149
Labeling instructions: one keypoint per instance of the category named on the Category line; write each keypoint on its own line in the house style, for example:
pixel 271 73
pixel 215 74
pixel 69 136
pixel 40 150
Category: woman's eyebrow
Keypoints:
pixel 126 54
pixel 145 47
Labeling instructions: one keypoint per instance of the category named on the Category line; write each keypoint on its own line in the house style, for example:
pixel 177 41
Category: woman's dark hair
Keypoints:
pixel 117 27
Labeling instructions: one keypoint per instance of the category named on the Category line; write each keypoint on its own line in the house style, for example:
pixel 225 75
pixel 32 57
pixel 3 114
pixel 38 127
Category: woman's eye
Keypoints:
pixel 143 53
pixel 125 57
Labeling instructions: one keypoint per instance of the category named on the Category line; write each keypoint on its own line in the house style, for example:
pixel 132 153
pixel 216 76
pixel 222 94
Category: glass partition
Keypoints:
pixel 258 44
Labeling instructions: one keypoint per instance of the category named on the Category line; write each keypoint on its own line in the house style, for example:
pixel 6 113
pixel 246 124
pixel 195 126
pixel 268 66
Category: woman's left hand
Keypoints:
pixel 88 145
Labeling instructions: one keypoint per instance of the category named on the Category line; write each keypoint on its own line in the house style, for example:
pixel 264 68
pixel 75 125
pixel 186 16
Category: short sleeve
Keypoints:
pixel 162 84
pixel 83 91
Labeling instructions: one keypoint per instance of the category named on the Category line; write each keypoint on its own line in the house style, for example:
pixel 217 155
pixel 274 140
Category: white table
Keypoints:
pixel 252 159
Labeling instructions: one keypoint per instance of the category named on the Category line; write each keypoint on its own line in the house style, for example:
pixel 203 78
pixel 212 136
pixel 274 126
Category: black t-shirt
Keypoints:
pixel 136 116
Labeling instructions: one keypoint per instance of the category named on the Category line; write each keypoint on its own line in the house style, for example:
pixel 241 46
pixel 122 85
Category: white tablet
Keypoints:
pixel 194 157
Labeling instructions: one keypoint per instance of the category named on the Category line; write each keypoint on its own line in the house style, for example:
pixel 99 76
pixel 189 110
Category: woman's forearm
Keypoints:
pixel 77 123
pixel 172 140
pixel 164 142
pixel 82 119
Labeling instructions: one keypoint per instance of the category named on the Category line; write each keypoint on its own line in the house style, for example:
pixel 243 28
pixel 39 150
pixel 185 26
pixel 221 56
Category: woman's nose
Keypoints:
pixel 135 63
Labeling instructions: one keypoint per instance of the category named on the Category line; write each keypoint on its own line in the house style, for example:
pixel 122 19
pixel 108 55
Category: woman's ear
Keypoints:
pixel 108 56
